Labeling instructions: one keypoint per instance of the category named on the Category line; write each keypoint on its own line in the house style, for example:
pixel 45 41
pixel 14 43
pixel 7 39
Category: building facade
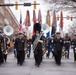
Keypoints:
pixel 7 18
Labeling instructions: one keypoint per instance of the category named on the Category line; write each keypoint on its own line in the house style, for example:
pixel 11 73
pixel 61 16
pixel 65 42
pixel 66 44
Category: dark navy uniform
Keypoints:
pixel 5 49
pixel 29 41
pixel 37 51
pixel 1 54
pixel 49 46
pixel 67 42
pixel 58 45
pixel 73 43
pixel 19 46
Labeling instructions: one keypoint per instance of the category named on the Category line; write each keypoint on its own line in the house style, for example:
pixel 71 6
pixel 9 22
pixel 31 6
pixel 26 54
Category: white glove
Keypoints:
pixel 40 41
pixel 14 49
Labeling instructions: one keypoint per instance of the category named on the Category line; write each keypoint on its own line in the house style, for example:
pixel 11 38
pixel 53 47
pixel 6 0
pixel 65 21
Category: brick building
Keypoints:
pixel 7 18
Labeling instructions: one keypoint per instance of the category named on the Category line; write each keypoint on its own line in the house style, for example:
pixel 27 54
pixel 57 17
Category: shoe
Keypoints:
pixel 20 63
pixel 5 61
pixel 17 63
pixel 38 65
pixel 35 64
pixel 59 64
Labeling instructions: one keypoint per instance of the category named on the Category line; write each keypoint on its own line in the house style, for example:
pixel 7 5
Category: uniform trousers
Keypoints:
pixel 38 56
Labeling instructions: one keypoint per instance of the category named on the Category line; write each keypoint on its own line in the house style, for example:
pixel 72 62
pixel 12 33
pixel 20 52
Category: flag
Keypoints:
pixel 61 20
pixel 20 24
pixel 61 23
pixel 39 17
pixel 34 17
pixel 27 20
pixel 47 34
pixel 48 18
pixel 48 23
pixel 54 23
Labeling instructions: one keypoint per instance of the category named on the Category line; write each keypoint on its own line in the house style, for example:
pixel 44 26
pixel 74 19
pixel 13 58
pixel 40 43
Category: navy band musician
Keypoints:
pixel 57 46
pixel 14 38
pixel 49 46
pixel 6 46
pixel 29 40
pixel 38 49
pixel 73 43
pixel 67 42
pixel 1 43
pixel 19 46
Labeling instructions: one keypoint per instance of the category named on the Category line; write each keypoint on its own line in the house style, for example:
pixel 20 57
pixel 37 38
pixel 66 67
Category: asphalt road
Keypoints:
pixel 48 67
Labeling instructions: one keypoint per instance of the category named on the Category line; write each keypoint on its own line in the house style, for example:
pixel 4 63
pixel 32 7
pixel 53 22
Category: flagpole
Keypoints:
pixel 9 2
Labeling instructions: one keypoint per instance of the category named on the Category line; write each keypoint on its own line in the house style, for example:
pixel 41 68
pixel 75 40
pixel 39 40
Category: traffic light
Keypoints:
pixel 71 17
pixel 34 4
pixel 16 6
pixel 57 17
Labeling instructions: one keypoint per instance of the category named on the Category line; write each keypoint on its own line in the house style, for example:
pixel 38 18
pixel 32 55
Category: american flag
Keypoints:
pixel 20 25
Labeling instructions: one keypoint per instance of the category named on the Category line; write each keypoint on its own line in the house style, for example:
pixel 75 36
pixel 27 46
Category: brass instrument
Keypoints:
pixel 8 30
pixel 44 51
pixel 36 41
pixel 26 52
pixel 26 46
pixel 64 53
pixel 5 52
pixel 8 41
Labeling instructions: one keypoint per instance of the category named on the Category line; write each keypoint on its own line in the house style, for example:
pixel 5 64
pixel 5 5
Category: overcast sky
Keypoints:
pixel 44 6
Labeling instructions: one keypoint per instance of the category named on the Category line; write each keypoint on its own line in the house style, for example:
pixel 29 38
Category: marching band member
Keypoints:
pixel 58 45
pixel 15 52
pixel 1 43
pixel 49 46
pixel 73 43
pixel 29 47
pixel 38 49
pixel 25 39
pixel 5 47
pixel 19 46
pixel 67 42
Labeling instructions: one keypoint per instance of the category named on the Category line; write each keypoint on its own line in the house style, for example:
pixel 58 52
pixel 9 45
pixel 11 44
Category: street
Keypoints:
pixel 48 67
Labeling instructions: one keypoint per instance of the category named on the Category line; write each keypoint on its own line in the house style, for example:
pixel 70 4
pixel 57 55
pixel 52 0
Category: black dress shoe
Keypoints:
pixel 35 64
pixel 17 63
pixel 59 64
pixel 38 65
pixel 20 63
